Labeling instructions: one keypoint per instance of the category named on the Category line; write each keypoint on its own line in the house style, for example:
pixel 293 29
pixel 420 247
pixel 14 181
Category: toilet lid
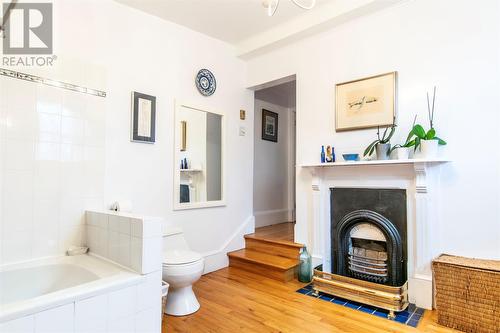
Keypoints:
pixel 179 257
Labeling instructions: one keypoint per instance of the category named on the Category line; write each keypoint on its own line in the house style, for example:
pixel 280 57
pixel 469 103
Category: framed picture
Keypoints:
pixel 143 118
pixel 366 103
pixel 269 125
pixel 183 135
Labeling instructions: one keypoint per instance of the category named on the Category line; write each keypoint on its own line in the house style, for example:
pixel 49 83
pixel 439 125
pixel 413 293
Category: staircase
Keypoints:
pixel 277 259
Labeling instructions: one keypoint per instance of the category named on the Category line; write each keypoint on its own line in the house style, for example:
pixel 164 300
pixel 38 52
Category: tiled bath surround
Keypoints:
pixel 129 240
pixel 52 145
pixel 135 242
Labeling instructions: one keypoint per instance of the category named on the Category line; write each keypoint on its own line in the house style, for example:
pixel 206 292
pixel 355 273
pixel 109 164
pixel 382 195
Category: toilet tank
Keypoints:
pixel 173 239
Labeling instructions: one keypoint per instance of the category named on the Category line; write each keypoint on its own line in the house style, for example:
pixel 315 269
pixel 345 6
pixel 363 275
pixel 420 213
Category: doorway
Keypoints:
pixel 274 158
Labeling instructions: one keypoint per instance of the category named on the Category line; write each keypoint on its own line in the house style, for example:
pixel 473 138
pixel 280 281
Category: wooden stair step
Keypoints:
pixel 271 246
pixel 274 241
pixel 273 266
pixel 265 259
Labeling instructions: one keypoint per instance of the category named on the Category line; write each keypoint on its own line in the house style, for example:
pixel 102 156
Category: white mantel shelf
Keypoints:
pixel 375 162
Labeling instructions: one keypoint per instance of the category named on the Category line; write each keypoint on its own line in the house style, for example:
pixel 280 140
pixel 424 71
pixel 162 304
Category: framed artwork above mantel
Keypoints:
pixel 366 103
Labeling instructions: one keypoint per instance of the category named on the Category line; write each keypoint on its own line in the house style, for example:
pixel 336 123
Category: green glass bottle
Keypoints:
pixel 305 267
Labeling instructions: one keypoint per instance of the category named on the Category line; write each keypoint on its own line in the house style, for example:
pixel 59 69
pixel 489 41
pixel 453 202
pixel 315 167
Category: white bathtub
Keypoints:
pixel 31 287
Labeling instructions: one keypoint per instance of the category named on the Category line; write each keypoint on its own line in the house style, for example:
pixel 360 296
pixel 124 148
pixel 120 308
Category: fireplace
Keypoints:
pixel 415 185
pixel 368 234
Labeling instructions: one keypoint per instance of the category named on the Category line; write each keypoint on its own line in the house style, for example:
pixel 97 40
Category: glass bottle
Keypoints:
pixel 305 266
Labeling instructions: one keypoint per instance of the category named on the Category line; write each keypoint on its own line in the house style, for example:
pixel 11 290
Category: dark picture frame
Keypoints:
pixel 269 125
pixel 143 118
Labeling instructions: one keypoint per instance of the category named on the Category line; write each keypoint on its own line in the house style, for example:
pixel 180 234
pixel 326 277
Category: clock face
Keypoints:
pixel 205 82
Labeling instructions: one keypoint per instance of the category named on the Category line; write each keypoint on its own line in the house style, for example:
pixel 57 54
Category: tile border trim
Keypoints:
pixel 50 82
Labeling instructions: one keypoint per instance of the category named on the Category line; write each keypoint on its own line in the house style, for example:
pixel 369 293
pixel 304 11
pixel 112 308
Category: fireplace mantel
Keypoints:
pixel 374 162
pixel 421 179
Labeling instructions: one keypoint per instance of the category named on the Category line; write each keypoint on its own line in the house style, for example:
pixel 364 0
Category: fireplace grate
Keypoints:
pixel 368 265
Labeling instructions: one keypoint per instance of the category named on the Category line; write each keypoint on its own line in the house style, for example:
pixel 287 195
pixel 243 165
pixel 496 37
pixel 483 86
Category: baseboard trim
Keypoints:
pixel 420 291
pixel 217 259
pixel 269 217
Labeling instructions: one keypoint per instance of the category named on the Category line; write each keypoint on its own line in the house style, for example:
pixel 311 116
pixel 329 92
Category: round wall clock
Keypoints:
pixel 205 82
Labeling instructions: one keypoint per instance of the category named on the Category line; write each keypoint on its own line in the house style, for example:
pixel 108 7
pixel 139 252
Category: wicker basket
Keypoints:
pixel 467 293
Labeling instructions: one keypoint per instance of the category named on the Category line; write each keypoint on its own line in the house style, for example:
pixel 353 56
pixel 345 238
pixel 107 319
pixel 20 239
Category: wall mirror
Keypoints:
pixel 199 158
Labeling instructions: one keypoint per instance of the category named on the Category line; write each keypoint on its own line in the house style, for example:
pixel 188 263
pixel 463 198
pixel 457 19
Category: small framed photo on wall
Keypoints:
pixel 269 125
pixel 143 118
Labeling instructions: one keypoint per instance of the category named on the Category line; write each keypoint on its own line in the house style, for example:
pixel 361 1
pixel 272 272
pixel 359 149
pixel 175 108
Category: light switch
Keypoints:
pixel 243 131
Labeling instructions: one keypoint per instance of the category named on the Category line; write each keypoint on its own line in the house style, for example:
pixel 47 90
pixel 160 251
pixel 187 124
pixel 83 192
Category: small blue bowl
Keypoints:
pixel 350 157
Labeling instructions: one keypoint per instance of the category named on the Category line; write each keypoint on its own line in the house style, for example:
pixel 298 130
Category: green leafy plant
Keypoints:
pixel 410 142
pixel 418 133
pixel 385 138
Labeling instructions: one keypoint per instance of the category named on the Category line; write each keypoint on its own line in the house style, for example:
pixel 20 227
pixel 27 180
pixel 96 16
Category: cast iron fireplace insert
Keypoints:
pixel 368 234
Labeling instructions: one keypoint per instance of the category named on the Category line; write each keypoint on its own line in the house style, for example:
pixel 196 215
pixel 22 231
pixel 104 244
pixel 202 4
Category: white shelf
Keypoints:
pixel 375 162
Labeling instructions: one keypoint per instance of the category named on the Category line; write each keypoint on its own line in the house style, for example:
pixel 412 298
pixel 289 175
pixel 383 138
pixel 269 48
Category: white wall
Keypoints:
pixel 451 44
pixel 133 51
pixel 271 160
pixel 162 59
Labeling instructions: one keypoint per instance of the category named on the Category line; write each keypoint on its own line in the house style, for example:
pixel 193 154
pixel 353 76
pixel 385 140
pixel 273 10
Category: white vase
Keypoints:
pixel 429 149
pixel 403 153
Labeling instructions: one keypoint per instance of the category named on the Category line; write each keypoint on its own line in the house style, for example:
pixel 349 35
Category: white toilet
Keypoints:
pixel 181 268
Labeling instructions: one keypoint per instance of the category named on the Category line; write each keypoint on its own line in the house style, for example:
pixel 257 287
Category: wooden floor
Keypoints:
pixel 233 300
pixel 283 231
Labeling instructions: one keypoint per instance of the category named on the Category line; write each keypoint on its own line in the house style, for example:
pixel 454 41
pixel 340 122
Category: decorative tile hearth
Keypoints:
pixel 411 316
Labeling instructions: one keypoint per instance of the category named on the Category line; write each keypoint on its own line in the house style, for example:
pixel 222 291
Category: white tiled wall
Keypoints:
pixel 51 167
pixel 131 241
pixel 132 309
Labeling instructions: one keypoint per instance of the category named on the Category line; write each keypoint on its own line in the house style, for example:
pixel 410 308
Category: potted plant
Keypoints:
pixel 382 144
pixel 403 150
pixel 427 141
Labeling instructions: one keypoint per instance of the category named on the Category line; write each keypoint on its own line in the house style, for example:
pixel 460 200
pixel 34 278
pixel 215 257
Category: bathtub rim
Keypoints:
pixel 121 278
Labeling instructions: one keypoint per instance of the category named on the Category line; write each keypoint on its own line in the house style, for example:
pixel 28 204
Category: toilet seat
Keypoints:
pixel 180 257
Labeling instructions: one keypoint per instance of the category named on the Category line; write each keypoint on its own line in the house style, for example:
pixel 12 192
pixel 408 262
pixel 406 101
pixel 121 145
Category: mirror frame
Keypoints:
pixel 177 145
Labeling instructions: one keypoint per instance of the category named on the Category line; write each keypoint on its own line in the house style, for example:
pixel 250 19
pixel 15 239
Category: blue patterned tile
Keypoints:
pixel 412 323
pixel 353 305
pixel 420 311
pixel 411 316
pixel 405 314
pixel 325 297
pixel 303 291
pixel 339 301
pixel 381 313
pixel 401 319
pixel 367 308
pixel 416 316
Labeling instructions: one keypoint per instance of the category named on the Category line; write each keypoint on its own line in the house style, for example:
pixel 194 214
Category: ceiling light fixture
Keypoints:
pixel 272 5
